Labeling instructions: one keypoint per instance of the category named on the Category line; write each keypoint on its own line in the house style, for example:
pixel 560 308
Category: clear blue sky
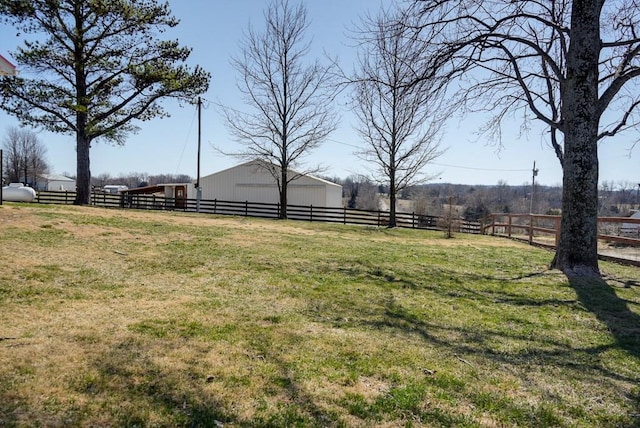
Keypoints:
pixel 213 29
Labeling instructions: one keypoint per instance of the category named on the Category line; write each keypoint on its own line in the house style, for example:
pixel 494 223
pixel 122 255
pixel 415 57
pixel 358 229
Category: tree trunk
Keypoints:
pixel 83 141
pixel 392 200
pixel 577 252
pixel 283 194
pixel 83 179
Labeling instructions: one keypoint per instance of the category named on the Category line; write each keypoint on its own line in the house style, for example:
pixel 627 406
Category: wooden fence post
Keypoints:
pixel 509 227
pixel 530 229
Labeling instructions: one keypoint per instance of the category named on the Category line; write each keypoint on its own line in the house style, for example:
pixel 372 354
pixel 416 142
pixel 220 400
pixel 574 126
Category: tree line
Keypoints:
pixel 23 157
pixel 474 202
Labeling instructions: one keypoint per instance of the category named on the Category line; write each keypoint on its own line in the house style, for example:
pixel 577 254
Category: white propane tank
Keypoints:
pixel 16 192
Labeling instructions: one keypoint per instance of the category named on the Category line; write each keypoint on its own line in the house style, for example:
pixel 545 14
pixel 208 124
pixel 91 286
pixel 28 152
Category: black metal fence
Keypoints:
pixel 261 210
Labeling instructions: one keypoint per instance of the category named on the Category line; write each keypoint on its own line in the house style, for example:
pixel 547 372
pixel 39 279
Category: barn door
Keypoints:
pixel 181 196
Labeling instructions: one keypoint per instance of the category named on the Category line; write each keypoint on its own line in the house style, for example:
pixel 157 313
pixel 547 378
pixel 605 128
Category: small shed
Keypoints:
pixel 114 188
pixel 172 195
pixel 49 182
pixel 252 182
pixel 632 229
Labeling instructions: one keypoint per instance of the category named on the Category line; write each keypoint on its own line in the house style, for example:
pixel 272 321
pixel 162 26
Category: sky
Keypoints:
pixel 214 28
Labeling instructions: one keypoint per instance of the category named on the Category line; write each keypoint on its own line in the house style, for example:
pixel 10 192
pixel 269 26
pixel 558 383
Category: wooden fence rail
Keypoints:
pixel 620 230
pixel 262 210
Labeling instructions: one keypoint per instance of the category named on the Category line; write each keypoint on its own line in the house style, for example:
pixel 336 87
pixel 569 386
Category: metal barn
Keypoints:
pixel 251 182
pixel 55 182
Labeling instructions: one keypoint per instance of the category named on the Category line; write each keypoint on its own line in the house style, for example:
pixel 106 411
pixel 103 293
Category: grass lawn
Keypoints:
pixel 154 319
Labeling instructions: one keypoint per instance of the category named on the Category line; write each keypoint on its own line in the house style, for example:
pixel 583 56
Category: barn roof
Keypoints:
pixel 6 67
pixel 55 177
pixel 147 190
pixel 257 162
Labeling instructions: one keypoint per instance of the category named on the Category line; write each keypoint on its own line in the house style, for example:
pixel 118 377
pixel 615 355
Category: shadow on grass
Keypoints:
pixel 471 344
pixel 398 406
pixel 180 397
pixel 124 388
pixel 596 297
pixel 601 299
pixel 138 390
pixel 403 279
pixel 299 408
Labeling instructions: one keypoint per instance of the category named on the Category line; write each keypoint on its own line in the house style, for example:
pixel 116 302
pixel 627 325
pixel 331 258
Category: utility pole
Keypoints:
pixel 533 186
pixel 198 188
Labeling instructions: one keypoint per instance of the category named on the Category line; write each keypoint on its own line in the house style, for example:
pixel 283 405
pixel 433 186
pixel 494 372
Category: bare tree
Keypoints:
pixel 101 180
pixel 368 197
pixel 24 156
pixel 351 189
pixel 395 109
pixel 628 193
pixel 361 193
pixel 291 99
pixel 564 63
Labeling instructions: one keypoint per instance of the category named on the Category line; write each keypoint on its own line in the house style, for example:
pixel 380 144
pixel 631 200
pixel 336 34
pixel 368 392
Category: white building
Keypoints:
pixel 253 183
pixel 55 182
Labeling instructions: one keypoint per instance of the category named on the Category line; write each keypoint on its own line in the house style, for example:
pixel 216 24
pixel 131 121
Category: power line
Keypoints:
pixel 479 169
pixel 442 164
pixel 186 140
pixel 344 144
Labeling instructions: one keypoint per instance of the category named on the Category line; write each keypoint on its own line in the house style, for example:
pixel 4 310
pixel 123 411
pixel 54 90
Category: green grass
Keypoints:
pixel 124 318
